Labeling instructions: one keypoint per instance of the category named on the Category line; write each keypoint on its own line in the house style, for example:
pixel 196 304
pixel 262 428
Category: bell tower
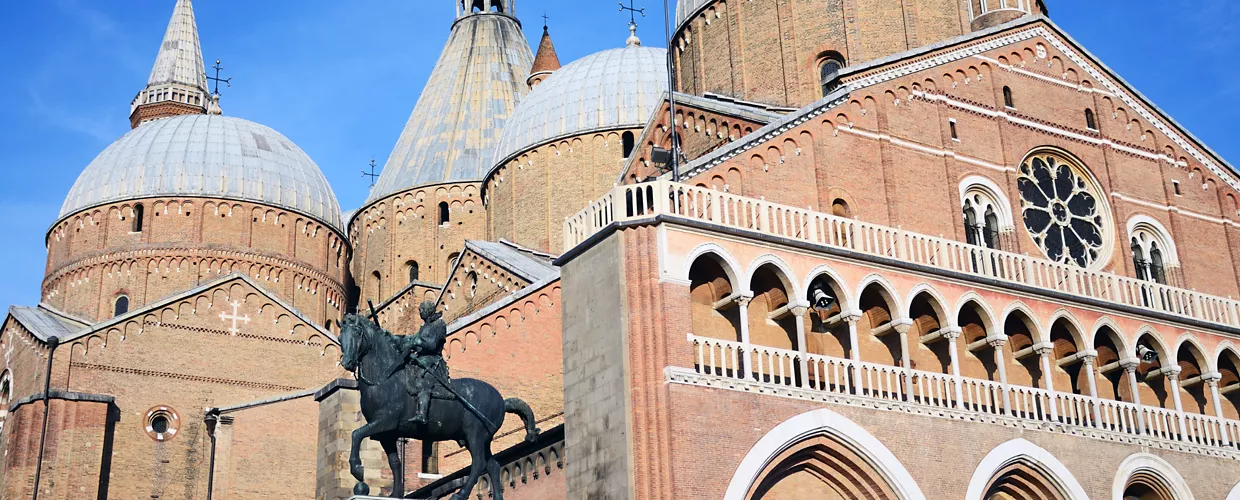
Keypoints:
pixel 471 7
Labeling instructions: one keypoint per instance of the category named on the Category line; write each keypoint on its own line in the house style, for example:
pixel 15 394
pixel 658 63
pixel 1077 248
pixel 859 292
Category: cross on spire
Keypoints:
pixel 633 12
pixel 227 81
pixel 545 18
pixel 371 173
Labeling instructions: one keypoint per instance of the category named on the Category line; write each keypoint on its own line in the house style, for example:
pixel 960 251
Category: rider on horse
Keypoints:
pixel 425 370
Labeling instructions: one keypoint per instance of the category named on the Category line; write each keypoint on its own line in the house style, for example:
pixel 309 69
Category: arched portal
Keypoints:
pixel 793 453
pixel 1021 470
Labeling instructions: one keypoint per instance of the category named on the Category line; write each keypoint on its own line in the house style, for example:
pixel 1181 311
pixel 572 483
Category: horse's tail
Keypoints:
pixel 514 405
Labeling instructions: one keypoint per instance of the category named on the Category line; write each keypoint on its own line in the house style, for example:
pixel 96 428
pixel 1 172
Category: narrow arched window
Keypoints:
pixel 443 213
pixel 971 233
pixel 1091 121
pixel 1158 273
pixel 120 306
pixel 455 256
pixel 1138 261
pixel 827 72
pixel 628 141
pixel 376 286
pixel 413 270
pixel 990 232
pixel 138 212
pixel 1007 98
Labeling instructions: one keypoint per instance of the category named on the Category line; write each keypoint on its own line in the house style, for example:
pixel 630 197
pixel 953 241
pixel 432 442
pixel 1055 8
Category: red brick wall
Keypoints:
pixel 393 232
pixel 529 197
pixel 769 50
pixel 95 256
pixel 889 154
pixel 79 438
pixel 476 284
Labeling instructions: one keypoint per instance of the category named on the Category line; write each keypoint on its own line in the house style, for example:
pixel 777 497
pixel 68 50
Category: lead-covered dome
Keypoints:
pixel 211 156
pixel 616 88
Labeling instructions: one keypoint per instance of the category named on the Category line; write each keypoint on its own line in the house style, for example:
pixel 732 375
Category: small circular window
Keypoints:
pixel 162 423
pixel 1061 209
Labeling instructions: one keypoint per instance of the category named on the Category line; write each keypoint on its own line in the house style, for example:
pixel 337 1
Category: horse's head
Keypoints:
pixel 355 333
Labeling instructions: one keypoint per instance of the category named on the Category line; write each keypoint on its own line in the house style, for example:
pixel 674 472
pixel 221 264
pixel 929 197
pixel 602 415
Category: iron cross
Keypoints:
pixel 632 11
pixel 371 173
pixel 227 81
pixel 545 18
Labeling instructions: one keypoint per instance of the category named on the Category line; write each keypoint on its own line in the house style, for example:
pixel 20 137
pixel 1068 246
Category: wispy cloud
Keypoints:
pixel 98 126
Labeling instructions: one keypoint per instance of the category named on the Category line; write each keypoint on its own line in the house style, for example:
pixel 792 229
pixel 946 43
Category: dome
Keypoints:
pixel 210 156
pixel 616 88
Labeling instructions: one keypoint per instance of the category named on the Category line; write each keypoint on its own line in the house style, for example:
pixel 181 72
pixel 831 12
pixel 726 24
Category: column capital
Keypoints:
pixel 951 332
pixel 1043 348
pixel 1088 356
pixel 798 309
pixel 851 316
pixel 1129 364
pixel 901 325
pixel 997 341
pixel 1212 378
pixel 1172 372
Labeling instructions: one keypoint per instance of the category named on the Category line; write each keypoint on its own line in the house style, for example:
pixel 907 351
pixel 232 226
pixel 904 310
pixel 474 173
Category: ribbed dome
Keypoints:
pixel 615 88
pixel 209 156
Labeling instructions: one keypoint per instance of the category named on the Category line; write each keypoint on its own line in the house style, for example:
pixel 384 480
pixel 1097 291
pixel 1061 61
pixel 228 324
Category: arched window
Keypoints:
pixel 138 212
pixel 120 306
pixel 444 217
pixel 376 286
pixel 839 208
pixel 1091 121
pixel 628 141
pixel 827 71
pixel 1152 250
pixel 986 217
pixel 6 395
pixel 1007 98
pixel 413 270
pixel 455 256
pixel 472 279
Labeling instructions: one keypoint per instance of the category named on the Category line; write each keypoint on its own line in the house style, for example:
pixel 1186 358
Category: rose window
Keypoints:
pixel 1060 210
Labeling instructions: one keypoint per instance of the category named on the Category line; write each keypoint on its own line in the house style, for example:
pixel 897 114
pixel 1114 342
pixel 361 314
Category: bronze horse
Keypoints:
pixel 370 352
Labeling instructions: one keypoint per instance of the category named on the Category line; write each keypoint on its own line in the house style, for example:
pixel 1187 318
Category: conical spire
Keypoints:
pixel 451 134
pixel 178 81
pixel 545 62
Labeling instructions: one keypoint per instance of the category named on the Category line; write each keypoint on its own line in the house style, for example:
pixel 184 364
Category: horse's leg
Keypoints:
pixel 479 454
pixel 394 462
pixel 355 461
pixel 497 487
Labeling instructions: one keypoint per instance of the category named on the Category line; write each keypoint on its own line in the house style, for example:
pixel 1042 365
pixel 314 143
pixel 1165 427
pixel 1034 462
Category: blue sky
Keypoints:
pixel 340 78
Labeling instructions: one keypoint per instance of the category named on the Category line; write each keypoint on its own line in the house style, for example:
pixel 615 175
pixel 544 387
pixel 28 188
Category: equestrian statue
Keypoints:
pixel 406 393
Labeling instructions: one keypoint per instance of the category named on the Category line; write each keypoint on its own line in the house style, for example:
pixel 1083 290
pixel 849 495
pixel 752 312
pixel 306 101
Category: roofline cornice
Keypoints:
pixel 366 206
pixel 48 234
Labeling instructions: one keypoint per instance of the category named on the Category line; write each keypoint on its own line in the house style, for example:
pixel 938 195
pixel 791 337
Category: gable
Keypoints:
pixel 705 125
pixel 489 271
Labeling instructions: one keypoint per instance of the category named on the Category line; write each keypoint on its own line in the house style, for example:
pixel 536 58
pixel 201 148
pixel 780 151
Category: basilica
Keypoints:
pixel 846 249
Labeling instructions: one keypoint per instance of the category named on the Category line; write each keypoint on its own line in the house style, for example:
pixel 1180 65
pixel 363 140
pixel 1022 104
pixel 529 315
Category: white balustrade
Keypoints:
pixel 783 368
pixel 664 198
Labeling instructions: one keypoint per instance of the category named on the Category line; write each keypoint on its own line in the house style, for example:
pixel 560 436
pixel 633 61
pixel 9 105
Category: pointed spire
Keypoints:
pixel 178 81
pixel 545 62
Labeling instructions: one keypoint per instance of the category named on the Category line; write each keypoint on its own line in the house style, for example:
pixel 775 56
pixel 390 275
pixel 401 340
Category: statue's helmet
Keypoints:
pixel 427 309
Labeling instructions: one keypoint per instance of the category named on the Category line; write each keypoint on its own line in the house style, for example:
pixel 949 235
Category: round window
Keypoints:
pixel 1061 210
pixel 162 423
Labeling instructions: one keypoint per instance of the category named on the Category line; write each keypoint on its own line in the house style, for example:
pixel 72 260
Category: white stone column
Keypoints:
pixel 952 334
pixel 902 327
pixel 997 344
pixel 742 305
pixel 1044 350
pixel 1211 380
pixel 854 348
pixel 1130 370
pixel 798 312
pixel 1088 361
pixel 1173 375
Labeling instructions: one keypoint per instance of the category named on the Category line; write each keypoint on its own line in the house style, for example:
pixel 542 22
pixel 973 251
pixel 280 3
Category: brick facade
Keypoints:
pixel 96 256
pixel 393 234
pixel 530 195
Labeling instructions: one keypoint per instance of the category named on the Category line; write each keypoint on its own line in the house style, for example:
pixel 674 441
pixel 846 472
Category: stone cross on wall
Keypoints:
pixel 234 318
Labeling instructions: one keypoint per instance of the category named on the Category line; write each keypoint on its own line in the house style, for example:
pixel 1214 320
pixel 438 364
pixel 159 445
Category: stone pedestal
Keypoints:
pixel 340 413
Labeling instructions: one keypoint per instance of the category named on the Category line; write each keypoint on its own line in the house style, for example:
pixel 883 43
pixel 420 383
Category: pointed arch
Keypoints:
pixel 842 294
pixel 725 259
pixel 1073 326
pixel 1020 451
pixel 938 303
pixel 1026 316
pixel 785 274
pixel 885 288
pixel 1151 471
pixel 822 422
pixel 1199 353
pixel 981 307
pixel 1159 346
pixel 1114 333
